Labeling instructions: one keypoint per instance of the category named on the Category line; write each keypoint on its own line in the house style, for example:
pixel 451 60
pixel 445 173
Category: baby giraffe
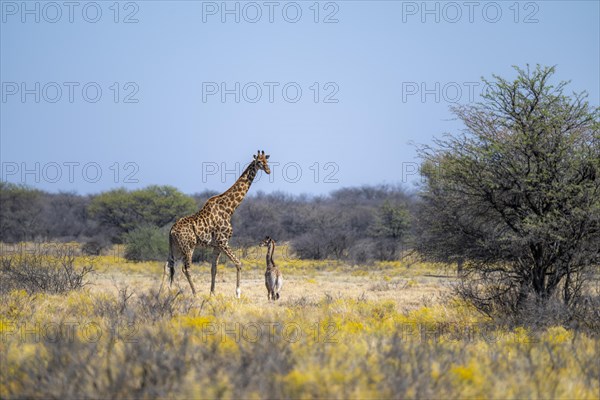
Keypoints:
pixel 273 277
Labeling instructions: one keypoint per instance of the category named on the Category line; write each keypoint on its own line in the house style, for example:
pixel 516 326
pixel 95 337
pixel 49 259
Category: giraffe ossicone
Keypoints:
pixel 211 227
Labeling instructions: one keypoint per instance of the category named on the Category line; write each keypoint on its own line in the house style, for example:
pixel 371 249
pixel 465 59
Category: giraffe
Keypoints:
pixel 273 277
pixel 211 227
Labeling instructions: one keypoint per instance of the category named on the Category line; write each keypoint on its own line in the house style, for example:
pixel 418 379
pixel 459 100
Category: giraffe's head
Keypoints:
pixel 261 161
pixel 266 241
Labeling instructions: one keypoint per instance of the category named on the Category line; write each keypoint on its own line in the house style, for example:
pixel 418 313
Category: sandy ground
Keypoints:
pixel 408 292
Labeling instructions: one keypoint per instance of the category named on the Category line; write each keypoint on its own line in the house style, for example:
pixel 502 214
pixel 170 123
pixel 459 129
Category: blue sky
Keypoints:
pixel 374 76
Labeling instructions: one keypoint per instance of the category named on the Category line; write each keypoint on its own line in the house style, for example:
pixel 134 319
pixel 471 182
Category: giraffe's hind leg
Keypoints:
pixel 187 262
pixel 213 269
pixel 268 287
pixel 169 270
pixel 278 286
pixel 162 282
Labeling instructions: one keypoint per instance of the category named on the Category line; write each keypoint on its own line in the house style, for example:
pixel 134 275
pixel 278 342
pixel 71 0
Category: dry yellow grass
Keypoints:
pixel 388 330
pixel 409 284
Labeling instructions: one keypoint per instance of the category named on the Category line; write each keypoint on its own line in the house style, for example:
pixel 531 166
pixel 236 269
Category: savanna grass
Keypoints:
pixel 121 340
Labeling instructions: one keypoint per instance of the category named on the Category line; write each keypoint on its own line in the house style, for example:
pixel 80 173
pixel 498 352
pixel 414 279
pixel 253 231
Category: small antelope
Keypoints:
pixel 273 277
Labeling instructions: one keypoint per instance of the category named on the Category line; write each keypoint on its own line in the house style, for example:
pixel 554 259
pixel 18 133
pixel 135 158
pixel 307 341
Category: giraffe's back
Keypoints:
pixel 211 223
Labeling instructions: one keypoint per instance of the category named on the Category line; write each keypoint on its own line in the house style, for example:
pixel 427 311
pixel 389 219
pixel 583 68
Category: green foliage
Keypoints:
pixel 365 223
pixel 28 214
pixel 390 228
pixel 20 209
pixel 146 243
pixel 155 205
pixel 517 194
pixel 348 224
pixel 392 221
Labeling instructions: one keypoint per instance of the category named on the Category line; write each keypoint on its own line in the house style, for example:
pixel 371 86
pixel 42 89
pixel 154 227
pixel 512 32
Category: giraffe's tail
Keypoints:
pixel 171 261
pixel 169 266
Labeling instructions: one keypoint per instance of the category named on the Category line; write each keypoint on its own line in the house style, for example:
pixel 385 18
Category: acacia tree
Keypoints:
pixel 123 211
pixel 517 193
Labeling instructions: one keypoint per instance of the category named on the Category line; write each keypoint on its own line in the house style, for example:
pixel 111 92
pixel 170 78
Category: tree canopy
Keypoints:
pixel 516 194
pixel 155 205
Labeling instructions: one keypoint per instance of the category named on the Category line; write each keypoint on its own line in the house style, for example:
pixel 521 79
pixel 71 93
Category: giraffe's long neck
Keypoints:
pixel 270 251
pixel 236 193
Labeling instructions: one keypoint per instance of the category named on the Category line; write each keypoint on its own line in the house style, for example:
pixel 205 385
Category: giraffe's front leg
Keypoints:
pixel 238 265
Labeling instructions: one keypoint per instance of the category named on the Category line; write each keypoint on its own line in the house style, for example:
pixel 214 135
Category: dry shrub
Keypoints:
pixel 149 366
pixel 44 271
pixel 149 360
pixel 512 306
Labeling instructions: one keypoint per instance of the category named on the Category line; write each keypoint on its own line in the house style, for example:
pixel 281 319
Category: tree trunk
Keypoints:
pixel 566 293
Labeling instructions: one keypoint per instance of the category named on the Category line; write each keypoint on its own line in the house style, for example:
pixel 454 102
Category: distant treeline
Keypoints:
pixel 513 200
pixel 359 224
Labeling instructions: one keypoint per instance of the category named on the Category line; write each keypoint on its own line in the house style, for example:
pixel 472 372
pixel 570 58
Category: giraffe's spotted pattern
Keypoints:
pixel 211 226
